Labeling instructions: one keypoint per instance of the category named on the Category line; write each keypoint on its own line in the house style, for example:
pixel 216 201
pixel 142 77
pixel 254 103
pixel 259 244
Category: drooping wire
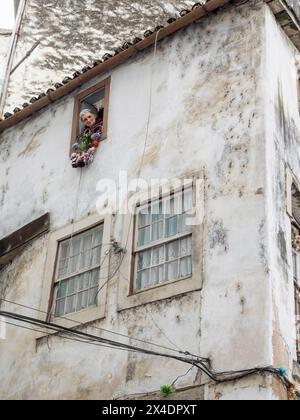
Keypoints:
pixel 99 328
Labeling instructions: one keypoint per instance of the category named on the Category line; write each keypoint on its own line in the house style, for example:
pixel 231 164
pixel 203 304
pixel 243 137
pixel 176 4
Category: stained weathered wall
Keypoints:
pixel 73 34
pixel 282 151
pixel 207 112
pixel 295 6
pixel 5 37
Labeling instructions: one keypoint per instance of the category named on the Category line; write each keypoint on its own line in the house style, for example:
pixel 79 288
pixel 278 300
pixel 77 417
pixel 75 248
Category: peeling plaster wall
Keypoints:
pixel 282 150
pixel 207 113
pixel 295 6
pixel 74 33
pixel 5 37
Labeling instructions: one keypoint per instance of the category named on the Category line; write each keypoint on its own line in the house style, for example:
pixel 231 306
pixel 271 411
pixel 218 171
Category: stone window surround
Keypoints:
pixel 89 314
pixel 127 298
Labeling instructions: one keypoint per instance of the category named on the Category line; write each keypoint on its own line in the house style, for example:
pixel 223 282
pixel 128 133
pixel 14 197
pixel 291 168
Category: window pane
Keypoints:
pixel 72 285
pixel 157 274
pixel 84 281
pixel 172 271
pixel 62 271
pixel 157 211
pixel 98 236
pixel 75 246
pixel 144 260
pixel 186 246
pixel 186 267
pixel 171 226
pixel 143 279
pixel 60 307
pixel 62 289
pixel 82 300
pixel 157 231
pixel 172 251
pixel 70 304
pixel 144 218
pixel 158 255
pixel 93 293
pixel 95 277
pixel 144 236
pixel 96 256
pixel 187 200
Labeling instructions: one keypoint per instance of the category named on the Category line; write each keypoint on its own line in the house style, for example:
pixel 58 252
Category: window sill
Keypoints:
pixel 74 321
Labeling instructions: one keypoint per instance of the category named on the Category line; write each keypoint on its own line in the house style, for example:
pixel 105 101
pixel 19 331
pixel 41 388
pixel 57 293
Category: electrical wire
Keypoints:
pixel 80 334
pixel 102 329
pixel 220 377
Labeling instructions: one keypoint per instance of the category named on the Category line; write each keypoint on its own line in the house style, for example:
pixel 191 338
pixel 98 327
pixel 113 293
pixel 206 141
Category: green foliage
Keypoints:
pixel 84 143
pixel 166 389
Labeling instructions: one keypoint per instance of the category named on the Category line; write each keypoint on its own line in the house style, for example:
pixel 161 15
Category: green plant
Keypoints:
pixel 166 389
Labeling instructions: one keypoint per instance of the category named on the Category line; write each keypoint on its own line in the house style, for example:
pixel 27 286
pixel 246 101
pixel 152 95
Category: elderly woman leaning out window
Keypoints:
pixel 88 140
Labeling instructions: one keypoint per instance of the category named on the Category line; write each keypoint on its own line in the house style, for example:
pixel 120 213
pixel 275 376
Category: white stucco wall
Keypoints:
pixel 282 124
pixel 207 113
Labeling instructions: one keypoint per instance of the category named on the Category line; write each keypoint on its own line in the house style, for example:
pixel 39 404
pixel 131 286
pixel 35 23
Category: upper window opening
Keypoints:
pixel 89 123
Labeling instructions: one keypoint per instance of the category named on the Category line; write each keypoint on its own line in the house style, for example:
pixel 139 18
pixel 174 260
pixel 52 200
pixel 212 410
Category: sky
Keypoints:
pixel 6 14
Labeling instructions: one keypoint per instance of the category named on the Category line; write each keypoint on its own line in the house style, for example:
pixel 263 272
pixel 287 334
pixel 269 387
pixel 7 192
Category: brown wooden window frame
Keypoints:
pixel 105 84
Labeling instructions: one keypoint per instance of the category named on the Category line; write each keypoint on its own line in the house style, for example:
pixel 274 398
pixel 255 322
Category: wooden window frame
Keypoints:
pixel 105 84
pixel 148 247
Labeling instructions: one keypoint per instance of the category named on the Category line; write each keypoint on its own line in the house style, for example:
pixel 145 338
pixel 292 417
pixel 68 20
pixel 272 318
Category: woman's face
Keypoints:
pixel 89 119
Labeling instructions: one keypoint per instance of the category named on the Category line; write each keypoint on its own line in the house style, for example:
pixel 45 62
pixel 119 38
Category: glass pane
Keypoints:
pixel 70 304
pixel 60 307
pixel 62 289
pixel 172 271
pixel 75 246
pixel 98 236
pixel 182 227
pixel 172 251
pixel 187 200
pixel 157 275
pixel 93 293
pixel 85 260
pixel 64 250
pixel 96 252
pixel 144 218
pixel 87 241
pixel 84 281
pixel 157 231
pixel 186 246
pixel 144 260
pixel 171 226
pixel 72 285
pixel 62 271
pixel 82 300
pixel 144 236
pixel 143 279
pixel 157 211
pixel 158 255
pixel 186 267
pixel 95 277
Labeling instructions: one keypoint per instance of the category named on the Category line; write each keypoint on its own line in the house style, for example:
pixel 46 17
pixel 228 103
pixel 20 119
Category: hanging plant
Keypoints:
pixel 84 149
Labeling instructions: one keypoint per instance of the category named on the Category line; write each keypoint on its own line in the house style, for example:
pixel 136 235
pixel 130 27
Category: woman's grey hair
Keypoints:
pixel 85 111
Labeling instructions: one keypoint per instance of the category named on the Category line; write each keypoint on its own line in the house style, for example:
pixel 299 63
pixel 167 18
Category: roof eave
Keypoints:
pixel 112 62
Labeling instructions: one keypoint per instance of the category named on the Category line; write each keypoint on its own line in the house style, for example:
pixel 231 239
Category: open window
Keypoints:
pixel 91 113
